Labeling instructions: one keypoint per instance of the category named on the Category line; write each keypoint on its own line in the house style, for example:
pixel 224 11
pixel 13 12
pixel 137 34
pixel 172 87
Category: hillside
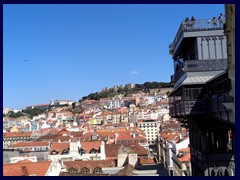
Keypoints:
pixel 111 92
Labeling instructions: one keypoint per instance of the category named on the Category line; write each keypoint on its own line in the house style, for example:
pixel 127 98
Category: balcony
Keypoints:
pixel 185 108
pixel 201 65
pixel 199 25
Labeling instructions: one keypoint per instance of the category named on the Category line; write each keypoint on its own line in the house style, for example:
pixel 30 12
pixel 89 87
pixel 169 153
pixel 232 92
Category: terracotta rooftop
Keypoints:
pixel 61 139
pixel 147 161
pixel 17 134
pixel 88 145
pixel 47 137
pixel 112 149
pixel 59 147
pixel 26 168
pixel 31 144
pixel 91 165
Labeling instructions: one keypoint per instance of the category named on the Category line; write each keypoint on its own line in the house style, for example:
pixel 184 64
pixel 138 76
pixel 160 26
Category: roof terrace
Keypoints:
pixel 197 25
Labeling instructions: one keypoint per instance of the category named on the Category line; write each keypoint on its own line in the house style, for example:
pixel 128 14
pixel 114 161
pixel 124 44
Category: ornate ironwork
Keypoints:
pixel 201 65
pixel 205 65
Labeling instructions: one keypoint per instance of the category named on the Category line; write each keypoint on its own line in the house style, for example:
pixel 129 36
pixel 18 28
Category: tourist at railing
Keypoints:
pixel 209 24
pixel 192 20
pixel 214 21
pixel 220 19
pixel 187 22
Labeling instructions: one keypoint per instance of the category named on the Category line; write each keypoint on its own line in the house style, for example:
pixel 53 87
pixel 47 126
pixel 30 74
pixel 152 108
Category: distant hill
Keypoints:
pixel 111 92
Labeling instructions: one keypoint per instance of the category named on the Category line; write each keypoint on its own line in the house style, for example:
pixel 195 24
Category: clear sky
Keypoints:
pixel 74 50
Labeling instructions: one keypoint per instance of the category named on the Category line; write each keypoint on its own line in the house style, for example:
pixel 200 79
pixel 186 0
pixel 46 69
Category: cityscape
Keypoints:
pixel 138 126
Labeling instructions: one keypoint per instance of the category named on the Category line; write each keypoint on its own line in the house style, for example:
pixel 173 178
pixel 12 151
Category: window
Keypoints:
pixel 65 151
pixel 85 170
pixel 97 170
pixel 72 170
pixel 82 151
pixel 54 152
pixel 136 141
pixel 93 151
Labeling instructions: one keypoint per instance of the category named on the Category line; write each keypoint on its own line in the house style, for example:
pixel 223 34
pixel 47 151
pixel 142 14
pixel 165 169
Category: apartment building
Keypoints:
pixel 150 128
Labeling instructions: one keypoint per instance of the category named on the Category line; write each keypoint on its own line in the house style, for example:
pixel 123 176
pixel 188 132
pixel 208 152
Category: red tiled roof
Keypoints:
pixel 61 138
pixel 91 165
pixel 17 134
pixel 47 137
pixel 59 147
pixel 112 149
pixel 29 168
pixel 147 161
pixel 30 144
pixel 63 131
pixel 88 145
pixel 76 134
pixel 16 171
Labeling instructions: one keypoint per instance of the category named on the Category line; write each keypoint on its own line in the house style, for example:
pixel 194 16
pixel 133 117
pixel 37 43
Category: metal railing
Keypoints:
pixel 205 65
pixel 201 65
pixel 198 25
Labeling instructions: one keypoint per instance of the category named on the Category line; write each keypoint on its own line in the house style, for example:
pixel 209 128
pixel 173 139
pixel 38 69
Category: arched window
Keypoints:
pixel 85 170
pixel 97 170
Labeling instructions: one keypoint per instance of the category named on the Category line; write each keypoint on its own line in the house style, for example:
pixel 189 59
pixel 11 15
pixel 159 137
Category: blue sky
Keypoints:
pixel 74 50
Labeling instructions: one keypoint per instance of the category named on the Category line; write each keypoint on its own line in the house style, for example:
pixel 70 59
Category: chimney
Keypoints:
pixel 122 157
pixel 102 151
pixel 116 136
pixel 132 158
pixel 73 146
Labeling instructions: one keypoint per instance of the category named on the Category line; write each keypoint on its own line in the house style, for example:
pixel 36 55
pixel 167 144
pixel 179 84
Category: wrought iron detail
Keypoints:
pixel 205 65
